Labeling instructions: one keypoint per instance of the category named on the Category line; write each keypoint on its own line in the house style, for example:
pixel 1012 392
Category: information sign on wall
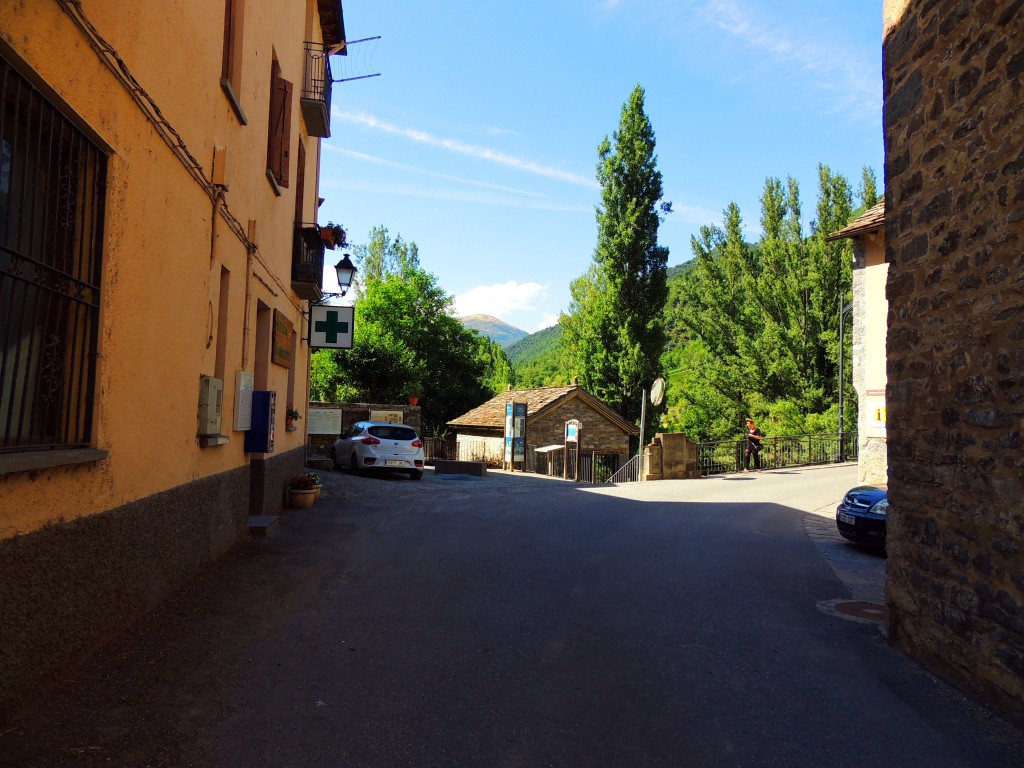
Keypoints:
pixel 281 346
pixel 324 421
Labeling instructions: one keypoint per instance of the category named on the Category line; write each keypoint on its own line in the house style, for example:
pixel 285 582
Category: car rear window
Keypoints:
pixel 393 433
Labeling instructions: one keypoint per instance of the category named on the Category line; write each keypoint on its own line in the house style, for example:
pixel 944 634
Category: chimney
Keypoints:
pixel 575 381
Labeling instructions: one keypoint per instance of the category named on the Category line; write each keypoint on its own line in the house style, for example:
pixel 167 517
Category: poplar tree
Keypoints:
pixel 614 333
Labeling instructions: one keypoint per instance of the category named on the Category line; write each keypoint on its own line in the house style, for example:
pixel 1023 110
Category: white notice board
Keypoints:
pixel 324 421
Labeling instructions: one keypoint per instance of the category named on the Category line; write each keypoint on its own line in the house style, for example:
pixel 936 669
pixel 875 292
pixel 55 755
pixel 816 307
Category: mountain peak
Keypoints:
pixel 493 328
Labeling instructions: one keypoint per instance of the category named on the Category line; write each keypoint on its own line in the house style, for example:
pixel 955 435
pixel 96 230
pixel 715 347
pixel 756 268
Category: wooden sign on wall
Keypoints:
pixel 281 346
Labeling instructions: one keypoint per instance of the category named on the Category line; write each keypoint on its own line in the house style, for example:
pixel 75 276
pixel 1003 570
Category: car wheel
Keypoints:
pixel 353 464
pixel 416 474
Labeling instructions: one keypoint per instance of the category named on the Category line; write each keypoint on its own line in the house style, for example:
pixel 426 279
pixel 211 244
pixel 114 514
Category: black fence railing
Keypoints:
pixel 790 451
pixel 315 97
pixel 307 262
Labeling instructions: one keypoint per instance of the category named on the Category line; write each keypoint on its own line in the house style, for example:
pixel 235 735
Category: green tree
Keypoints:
pixel 613 334
pixel 868 192
pixel 718 310
pixel 407 342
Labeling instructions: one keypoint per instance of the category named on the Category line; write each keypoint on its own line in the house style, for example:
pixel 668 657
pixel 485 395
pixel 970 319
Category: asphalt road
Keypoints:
pixel 517 621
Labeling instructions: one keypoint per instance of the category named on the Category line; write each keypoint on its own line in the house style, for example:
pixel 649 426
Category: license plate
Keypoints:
pixel 848 519
pixel 394 463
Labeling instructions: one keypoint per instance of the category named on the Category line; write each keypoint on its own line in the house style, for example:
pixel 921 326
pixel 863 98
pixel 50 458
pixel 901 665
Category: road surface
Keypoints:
pixel 521 621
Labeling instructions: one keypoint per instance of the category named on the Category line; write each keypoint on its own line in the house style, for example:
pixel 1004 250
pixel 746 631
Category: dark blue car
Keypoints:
pixel 861 515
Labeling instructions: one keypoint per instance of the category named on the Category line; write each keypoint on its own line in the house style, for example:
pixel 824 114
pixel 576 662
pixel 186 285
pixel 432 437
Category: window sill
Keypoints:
pixel 229 91
pixel 30 461
pixel 273 183
pixel 207 441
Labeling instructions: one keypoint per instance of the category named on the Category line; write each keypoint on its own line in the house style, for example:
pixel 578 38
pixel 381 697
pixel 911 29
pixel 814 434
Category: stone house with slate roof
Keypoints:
pixel 480 433
pixel 870 314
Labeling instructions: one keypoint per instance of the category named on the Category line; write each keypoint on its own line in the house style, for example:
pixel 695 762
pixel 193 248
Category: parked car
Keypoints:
pixel 379 445
pixel 861 515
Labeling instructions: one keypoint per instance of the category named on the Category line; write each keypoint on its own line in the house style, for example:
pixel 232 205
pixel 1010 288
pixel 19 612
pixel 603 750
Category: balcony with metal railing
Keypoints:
pixel 315 99
pixel 307 262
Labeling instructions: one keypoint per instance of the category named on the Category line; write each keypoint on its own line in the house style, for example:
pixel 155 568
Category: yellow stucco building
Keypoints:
pixel 159 171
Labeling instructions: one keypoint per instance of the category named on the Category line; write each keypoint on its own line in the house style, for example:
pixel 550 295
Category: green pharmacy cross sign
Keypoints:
pixel 330 327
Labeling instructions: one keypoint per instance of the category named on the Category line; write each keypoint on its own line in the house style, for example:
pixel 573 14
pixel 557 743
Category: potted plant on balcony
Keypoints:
pixel 301 493
pixel 333 235
pixel 290 417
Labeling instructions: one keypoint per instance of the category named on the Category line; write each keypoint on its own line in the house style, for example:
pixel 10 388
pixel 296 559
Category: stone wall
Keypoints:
pixel 955 244
pixel 671 456
pixel 597 434
pixel 353 412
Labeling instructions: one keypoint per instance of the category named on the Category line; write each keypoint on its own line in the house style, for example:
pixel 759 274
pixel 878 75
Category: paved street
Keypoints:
pixel 521 621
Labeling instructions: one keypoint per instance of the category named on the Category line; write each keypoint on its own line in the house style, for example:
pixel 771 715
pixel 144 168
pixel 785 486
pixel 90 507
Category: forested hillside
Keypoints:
pixel 536 359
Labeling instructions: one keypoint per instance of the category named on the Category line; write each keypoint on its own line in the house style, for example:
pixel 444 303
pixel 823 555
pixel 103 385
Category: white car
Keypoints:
pixel 379 445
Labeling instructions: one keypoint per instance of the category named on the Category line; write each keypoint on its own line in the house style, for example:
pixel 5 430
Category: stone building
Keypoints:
pixel 870 321
pixel 954 180
pixel 480 432
pixel 159 170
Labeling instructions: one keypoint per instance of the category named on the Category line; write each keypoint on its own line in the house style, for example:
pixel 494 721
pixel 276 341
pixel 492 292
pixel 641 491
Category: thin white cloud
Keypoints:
pixel 546 322
pixel 852 83
pixel 462 148
pixel 453 195
pixel 502 300
pixel 413 169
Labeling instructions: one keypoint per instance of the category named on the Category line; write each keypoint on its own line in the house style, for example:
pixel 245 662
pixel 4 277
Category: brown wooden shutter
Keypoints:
pixel 274 129
pixel 300 182
pixel 279 132
pixel 286 130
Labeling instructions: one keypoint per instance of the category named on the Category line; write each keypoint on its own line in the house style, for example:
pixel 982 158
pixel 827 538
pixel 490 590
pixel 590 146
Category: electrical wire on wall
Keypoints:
pixel 112 60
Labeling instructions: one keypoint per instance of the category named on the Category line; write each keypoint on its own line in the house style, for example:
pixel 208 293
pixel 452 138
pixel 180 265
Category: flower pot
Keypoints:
pixel 413 399
pixel 327 236
pixel 316 491
pixel 301 499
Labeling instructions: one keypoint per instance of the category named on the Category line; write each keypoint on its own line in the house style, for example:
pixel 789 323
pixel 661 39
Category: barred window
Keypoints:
pixel 52 190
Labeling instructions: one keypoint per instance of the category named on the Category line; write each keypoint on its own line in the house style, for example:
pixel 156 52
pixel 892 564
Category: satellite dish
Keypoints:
pixel 657 391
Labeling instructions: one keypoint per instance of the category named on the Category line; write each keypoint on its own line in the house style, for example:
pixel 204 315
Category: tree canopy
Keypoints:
pixel 407 342
pixel 613 334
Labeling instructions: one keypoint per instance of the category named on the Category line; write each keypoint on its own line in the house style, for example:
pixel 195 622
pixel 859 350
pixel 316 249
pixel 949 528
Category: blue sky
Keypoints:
pixel 479 139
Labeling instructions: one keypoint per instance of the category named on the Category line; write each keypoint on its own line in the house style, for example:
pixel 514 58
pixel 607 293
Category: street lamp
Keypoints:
pixel 345 271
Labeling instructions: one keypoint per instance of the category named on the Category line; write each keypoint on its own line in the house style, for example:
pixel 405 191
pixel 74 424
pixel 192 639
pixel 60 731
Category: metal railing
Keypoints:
pixel 307 262
pixel 315 97
pixel 628 473
pixel 791 451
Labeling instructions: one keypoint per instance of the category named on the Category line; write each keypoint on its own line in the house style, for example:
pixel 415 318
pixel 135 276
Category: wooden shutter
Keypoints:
pixel 280 129
pixel 300 182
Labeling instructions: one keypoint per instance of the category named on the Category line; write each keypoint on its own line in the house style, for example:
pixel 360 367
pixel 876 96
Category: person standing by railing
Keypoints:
pixel 753 447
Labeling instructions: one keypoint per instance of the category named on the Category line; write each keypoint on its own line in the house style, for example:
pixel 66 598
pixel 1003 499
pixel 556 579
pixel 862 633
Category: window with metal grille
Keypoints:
pixel 52 190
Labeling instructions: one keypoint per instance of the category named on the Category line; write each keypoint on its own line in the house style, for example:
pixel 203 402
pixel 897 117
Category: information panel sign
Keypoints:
pixel 324 421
